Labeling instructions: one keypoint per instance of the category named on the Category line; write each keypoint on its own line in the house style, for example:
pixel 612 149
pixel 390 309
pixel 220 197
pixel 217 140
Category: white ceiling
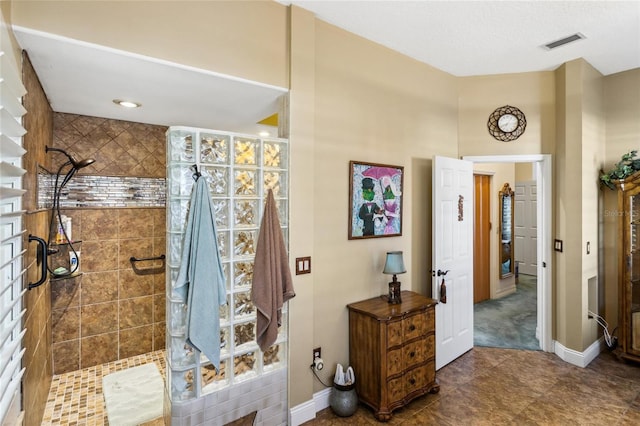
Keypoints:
pixel 462 38
pixel 467 38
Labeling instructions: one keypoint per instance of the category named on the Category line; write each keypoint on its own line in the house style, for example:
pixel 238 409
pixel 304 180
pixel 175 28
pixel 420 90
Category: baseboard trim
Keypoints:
pixel 580 359
pixel 307 410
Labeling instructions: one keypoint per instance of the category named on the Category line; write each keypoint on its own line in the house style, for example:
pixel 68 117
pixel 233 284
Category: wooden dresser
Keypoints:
pixel 392 351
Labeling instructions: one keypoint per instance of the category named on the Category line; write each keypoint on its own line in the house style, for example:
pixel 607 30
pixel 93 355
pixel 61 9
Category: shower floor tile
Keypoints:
pixel 76 397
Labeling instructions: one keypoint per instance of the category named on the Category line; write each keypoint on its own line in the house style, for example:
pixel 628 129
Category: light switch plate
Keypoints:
pixel 557 245
pixel 303 265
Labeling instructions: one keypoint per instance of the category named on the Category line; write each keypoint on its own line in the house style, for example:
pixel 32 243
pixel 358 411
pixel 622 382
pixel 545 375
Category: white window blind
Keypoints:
pixel 12 271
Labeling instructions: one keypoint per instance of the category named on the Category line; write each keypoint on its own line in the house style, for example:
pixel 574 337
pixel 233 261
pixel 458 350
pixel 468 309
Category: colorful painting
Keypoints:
pixel 375 200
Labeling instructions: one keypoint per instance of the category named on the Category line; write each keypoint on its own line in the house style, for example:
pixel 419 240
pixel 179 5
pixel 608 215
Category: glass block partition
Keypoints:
pixel 239 170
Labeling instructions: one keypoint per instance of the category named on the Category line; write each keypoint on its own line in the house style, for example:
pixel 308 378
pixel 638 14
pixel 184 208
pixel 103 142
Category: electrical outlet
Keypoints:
pixel 317 353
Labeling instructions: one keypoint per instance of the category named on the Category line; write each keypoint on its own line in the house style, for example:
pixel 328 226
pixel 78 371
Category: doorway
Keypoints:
pixel 542 165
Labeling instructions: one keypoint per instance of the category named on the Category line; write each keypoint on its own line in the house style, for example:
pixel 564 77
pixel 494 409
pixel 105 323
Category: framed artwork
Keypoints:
pixel 375 200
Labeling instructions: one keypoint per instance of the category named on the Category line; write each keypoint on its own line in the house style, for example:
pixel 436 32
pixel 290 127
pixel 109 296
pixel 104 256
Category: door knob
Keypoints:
pixel 441 273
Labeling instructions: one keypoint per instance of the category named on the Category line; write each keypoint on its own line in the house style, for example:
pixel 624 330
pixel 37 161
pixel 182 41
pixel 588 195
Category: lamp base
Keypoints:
pixel 394 293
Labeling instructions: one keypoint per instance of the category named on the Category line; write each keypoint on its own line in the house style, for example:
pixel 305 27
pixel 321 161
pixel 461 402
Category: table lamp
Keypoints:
pixel 393 266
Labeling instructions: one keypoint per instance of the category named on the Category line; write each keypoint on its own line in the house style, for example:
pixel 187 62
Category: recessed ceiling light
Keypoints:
pixel 127 104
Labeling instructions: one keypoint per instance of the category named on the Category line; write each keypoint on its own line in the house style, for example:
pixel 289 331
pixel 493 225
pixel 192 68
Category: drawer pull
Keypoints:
pixel 412 327
pixel 412 354
pixel 412 381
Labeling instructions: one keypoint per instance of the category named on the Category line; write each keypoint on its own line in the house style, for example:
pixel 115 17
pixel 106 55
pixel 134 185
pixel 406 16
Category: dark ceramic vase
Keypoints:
pixel 343 400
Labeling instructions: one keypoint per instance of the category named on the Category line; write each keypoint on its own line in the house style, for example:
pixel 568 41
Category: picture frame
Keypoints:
pixel 375 200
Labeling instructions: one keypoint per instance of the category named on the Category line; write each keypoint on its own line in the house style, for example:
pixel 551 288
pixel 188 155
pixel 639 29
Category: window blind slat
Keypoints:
pixel 13 214
pixel 7 309
pixel 15 322
pixel 10 192
pixel 8 351
pixel 11 373
pixel 9 147
pixel 10 171
pixel 10 261
pixel 11 75
pixel 11 389
pixel 10 100
pixel 10 126
pixel 13 237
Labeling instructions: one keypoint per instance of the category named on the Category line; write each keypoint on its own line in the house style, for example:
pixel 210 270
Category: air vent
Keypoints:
pixel 563 41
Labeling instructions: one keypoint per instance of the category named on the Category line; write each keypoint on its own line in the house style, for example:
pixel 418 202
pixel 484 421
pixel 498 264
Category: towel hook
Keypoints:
pixel 196 173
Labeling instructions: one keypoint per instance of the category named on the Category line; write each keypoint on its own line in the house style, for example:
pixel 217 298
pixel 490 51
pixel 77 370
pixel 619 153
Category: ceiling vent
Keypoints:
pixel 563 41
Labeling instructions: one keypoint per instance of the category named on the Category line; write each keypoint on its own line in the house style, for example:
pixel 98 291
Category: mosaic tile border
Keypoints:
pixel 104 191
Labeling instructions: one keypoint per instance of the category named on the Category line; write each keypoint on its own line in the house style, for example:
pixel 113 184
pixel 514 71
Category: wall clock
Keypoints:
pixel 507 123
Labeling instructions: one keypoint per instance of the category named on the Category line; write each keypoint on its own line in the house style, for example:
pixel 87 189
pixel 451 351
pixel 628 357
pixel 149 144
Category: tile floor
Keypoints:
pixel 486 386
pixel 76 398
pixel 489 386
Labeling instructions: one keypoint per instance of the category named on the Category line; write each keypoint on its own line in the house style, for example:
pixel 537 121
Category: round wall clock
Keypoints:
pixel 506 123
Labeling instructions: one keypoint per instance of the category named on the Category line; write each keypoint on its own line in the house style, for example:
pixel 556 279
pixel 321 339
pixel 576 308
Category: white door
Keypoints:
pixel 525 224
pixel 453 254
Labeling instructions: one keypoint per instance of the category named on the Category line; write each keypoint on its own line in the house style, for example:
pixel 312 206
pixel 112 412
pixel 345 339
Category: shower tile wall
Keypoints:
pixel 37 321
pixel 111 311
pixel 120 148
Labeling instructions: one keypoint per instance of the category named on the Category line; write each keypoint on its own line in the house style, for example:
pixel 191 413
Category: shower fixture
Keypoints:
pixel 74 165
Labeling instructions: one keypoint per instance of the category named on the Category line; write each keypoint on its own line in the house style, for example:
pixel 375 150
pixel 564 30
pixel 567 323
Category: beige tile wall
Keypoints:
pixel 112 311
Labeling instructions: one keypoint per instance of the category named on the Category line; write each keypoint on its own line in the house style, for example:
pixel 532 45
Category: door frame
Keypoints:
pixel 543 165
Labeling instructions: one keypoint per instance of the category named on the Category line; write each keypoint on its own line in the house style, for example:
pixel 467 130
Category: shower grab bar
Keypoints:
pixel 42 257
pixel 135 259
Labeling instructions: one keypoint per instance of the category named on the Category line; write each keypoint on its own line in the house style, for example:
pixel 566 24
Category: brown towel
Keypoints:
pixel 272 284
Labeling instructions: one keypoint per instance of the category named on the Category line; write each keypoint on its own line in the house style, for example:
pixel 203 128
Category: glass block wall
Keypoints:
pixel 239 170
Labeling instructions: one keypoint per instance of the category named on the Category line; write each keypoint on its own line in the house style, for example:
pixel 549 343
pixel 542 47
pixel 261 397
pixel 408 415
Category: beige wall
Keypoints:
pixel 246 39
pixel 593 149
pixel 374 105
pixel 301 236
pixel 524 172
pixel 533 93
pixel 579 156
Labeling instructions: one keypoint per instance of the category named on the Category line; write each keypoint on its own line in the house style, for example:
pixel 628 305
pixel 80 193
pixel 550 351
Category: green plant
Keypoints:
pixel 628 165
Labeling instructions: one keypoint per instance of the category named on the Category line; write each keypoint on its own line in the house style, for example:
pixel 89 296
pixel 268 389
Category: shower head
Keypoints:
pixel 83 163
pixel 74 163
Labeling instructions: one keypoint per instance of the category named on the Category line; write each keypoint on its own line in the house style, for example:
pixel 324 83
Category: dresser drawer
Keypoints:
pixel 415 379
pixel 394 333
pixel 412 380
pixel 414 353
pixel 414 326
pixel 395 364
pixel 409 355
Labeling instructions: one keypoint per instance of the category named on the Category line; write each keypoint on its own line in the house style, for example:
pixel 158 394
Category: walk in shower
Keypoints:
pixel 113 317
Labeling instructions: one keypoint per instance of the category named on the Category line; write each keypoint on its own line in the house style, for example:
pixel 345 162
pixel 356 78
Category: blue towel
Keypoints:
pixel 201 281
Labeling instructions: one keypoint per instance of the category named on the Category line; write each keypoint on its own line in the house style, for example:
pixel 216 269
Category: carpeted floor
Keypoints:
pixel 508 322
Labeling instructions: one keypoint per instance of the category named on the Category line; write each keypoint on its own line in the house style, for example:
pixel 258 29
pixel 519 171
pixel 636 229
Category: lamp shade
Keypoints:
pixel 394 264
